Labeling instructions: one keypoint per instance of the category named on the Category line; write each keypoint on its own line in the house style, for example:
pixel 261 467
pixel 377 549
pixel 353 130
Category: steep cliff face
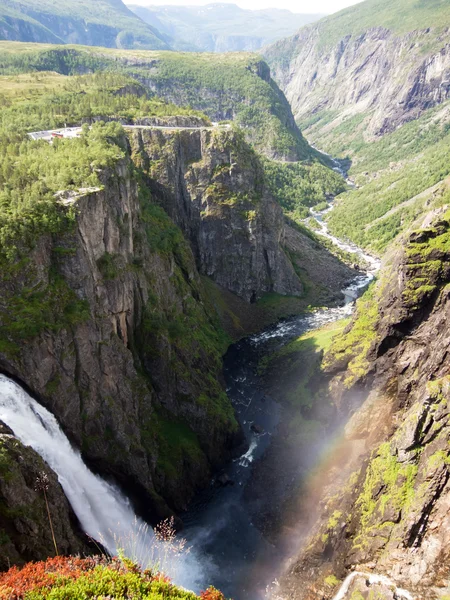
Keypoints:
pixel 109 323
pixel 330 72
pixel 212 184
pixel 25 532
pixel 385 499
pixel 108 350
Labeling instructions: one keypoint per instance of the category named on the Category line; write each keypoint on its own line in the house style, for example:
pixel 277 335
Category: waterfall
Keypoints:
pixel 104 512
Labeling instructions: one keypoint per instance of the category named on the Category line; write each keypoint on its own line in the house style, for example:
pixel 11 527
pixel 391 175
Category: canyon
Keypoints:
pixel 230 292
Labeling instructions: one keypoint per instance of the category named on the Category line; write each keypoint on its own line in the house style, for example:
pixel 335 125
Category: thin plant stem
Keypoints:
pixel 50 521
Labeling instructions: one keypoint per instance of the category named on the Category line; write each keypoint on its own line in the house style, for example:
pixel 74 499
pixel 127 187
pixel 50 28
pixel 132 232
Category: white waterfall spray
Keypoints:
pixel 104 512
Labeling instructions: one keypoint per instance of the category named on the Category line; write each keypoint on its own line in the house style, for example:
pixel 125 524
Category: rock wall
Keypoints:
pixel 133 390
pixel 393 77
pixel 384 502
pixel 212 184
pixel 110 326
pixel 25 532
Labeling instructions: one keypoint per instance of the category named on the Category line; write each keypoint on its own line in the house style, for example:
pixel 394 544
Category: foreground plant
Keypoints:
pixel 72 578
pixel 42 485
pixel 157 549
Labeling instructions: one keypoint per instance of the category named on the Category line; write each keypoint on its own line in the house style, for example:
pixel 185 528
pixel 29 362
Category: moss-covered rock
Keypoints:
pixel 394 457
pixel 25 530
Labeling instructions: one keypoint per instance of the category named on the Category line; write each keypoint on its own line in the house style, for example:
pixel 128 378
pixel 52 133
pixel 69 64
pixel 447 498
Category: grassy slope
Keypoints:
pixel 397 176
pixel 401 16
pixel 110 13
pixel 217 84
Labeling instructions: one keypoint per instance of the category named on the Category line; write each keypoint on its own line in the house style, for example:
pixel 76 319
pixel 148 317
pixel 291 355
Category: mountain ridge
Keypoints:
pixel 107 23
pixel 220 27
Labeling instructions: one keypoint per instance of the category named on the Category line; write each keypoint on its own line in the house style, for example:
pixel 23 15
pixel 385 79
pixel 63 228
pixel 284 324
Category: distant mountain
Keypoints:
pixel 222 27
pixel 92 22
pixel 386 60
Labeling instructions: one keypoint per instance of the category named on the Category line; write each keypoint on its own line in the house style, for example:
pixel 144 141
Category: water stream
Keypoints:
pixel 219 523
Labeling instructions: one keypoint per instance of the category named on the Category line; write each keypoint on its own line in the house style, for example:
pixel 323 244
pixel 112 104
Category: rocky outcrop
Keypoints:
pixel 391 77
pixel 25 532
pixel 109 323
pixel 385 496
pixel 124 349
pixel 250 98
pixel 211 184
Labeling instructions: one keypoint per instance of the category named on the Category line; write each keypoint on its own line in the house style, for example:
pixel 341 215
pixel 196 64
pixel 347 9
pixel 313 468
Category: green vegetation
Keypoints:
pixel 107 265
pixel 427 254
pixel 332 581
pixel 49 307
pixel 395 199
pixel 319 339
pixel 39 101
pixel 32 173
pixel 110 583
pixel 198 342
pixel 389 484
pixel 300 362
pixel 101 22
pixel 398 175
pixel 223 86
pixel 298 186
pixel 378 154
pixel 334 519
pixel 41 185
pixel 255 104
pixel 177 443
pixel 401 17
pixel 351 347
pixel 74 578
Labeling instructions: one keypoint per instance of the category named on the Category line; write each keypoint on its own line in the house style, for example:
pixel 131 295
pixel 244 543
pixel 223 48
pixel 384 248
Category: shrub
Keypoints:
pixel 73 578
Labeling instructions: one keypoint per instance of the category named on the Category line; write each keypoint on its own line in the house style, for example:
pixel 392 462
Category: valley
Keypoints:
pixel 224 284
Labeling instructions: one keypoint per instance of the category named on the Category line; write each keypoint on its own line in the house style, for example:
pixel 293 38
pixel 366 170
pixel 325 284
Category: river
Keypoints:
pixel 219 523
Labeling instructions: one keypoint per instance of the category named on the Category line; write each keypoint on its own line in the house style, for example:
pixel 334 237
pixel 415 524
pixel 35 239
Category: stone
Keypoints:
pixel 257 428
pixel 224 480
pixel 27 536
